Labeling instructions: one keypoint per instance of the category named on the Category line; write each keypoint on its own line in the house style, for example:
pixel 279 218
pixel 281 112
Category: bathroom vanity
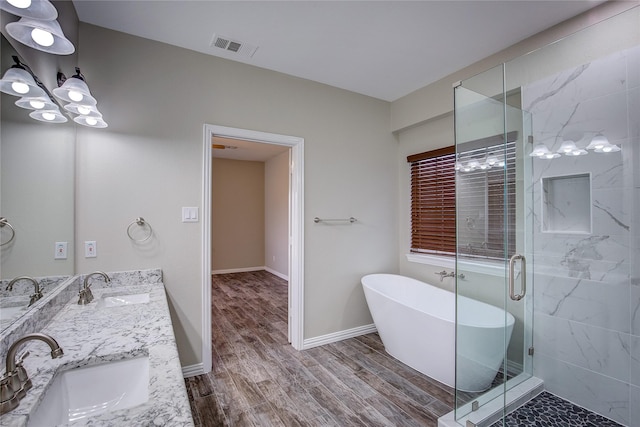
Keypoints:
pixel 120 364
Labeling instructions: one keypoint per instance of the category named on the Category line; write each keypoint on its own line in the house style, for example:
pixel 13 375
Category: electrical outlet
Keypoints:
pixel 90 249
pixel 61 250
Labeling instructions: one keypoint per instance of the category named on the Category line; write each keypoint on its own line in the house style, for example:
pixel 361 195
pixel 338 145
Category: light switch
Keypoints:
pixel 61 250
pixel 90 249
pixel 190 214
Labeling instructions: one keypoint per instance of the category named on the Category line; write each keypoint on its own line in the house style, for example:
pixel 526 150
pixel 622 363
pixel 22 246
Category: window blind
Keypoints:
pixel 433 202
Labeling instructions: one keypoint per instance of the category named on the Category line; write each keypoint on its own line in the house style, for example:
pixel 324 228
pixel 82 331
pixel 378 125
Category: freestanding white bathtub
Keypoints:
pixel 417 325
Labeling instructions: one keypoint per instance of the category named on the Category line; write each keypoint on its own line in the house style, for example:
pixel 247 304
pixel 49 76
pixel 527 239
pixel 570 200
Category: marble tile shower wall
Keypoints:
pixel 586 284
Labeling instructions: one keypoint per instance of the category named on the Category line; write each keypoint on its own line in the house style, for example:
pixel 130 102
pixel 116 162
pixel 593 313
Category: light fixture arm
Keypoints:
pixel 78 75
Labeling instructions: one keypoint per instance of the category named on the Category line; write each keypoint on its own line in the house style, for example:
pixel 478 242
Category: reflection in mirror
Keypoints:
pixel 37 200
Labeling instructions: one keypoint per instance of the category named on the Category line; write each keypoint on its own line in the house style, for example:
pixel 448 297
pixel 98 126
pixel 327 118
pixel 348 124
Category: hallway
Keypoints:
pixel 258 379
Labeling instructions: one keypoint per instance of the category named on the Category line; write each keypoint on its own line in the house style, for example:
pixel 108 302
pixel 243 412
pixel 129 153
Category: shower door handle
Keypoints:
pixel 523 277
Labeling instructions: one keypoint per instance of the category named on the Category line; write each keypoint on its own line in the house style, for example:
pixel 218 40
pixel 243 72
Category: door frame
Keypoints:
pixel 296 230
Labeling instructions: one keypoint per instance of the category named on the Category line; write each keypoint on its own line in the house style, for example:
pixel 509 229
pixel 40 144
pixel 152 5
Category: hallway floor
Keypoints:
pixel 258 379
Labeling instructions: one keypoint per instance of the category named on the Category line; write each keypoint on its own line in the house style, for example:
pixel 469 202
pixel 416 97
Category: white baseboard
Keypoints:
pixel 192 370
pixel 338 336
pixel 238 270
pixel 198 369
pixel 277 273
pixel 247 269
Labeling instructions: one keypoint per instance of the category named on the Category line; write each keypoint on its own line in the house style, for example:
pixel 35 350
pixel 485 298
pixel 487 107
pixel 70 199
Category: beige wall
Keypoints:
pixel 276 219
pixel 148 162
pixel 37 194
pixel 237 214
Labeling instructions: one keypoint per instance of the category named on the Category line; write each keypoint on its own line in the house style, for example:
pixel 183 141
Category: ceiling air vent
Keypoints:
pixel 234 46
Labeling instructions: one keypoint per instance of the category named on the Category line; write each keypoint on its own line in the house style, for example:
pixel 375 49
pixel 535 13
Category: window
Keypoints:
pixel 485 176
pixel 433 201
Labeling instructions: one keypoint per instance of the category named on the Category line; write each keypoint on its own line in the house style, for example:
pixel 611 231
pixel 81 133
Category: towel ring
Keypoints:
pixel 141 222
pixel 3 222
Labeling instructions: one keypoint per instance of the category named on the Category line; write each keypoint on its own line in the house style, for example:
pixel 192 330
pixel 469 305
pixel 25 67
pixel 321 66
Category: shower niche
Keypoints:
pixel 566 204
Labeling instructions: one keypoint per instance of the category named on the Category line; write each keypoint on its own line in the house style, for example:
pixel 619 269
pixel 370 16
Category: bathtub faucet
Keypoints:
pixel 444 274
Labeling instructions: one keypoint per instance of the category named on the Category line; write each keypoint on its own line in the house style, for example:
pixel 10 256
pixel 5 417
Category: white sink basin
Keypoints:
pixel 7 313
pixel 120 300
pixel 12 306
pixel 88 391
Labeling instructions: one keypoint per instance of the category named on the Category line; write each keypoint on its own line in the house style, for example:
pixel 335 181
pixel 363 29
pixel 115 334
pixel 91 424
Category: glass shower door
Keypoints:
pixel 493 323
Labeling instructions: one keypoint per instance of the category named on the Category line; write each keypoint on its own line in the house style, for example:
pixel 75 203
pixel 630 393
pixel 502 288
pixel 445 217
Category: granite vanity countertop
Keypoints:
pixel 92 335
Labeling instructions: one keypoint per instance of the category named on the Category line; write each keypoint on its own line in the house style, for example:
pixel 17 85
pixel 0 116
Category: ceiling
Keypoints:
pixel 238 149
pixel 383 49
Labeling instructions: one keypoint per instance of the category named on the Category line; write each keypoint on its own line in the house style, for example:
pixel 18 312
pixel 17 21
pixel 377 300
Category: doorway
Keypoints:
pixel 295 228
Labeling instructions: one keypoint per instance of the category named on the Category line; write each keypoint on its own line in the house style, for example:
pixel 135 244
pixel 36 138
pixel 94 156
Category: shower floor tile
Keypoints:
pixel 548 410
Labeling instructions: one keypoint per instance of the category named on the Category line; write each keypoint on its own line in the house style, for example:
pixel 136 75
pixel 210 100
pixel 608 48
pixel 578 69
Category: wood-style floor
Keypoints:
pixel 258 379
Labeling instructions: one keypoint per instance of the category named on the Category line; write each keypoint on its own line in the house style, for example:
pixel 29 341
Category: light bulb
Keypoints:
pixel 37 104
pixel 20 4
pixel 42 37
pixel 20 87
pixel 91 121
pixel 539 150
pixel 607 149
pixel 83 110
pixel 48 116
pixel 567 147
pixel 598 142
pixel 75 96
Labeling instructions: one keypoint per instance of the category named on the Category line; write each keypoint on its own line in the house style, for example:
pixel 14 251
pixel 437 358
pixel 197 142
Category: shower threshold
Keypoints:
pixel 493 410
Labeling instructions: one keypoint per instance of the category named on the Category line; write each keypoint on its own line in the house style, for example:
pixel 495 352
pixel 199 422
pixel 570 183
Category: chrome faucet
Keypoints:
pixel 36 296
pixel 85 295
pixel 15 382
pixel 444 274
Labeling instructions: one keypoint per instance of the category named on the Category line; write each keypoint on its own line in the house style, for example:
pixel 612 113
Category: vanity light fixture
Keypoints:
pixel 36 9
pixel 75 91
pixel 17 81
pixel 36 103
pixel 569 148
pixel 49 116
pixel 611 148
pixel 46 36
pixel 539 150
pixel 484 166
pixel 600 144
pixel 91 121
pixel 492 160
pixel 84 110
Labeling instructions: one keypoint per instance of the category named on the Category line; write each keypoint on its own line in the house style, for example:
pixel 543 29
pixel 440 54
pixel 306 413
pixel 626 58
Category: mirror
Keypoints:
pixel 37 173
